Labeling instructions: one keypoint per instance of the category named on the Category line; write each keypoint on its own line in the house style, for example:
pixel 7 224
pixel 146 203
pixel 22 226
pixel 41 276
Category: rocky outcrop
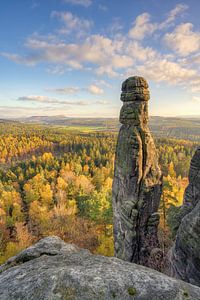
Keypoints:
pixel 137 179
pixel 54 270
pixel 184 257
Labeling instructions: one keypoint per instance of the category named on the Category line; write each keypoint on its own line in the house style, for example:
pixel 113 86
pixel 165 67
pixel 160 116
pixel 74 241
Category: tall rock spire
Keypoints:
pixel 137 178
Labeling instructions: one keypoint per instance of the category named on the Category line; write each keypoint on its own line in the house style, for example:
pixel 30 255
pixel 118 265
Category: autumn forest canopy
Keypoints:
pixel 57 180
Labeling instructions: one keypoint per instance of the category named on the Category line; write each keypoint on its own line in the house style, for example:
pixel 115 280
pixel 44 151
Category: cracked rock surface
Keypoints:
pixel 54 270
pixel 137 179
pixel 184 259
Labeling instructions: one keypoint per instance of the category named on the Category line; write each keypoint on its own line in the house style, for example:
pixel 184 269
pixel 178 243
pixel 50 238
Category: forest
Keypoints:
pixel 57 180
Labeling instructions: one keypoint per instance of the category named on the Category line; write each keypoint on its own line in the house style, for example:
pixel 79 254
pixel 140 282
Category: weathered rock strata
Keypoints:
pixel 137 178
pixel 184 257
pixel 54 270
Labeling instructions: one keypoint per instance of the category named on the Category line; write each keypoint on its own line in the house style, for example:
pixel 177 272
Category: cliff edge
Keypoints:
pixel 54 270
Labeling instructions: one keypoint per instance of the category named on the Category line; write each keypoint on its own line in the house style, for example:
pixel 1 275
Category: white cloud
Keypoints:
pixel 142 27
pixel 164 70
pixel 102 7
pixel 106 70
pixel 35 5
pixel 106 57
pixel 194 59
pixel 84 3
pixel 195 85
pixel 45 99
pixel 140 53
pixel 183 40
pixel 101 102
pixel 94 49
pixel 102 82
pixel 92 89
pixel 57 69
pixel 95 90
pixel 117 55
pixel 103 53
pixel 121 61
pixel 112 54
pixel 29 60
pixel 71 23
pixel 40 99
pixel 177 10
pixel 196 99
pixel 65 90
pixel 115 27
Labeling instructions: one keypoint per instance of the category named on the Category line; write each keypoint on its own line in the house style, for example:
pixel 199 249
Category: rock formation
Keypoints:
pixel 54 270
pixel 185 254
pixel 137 178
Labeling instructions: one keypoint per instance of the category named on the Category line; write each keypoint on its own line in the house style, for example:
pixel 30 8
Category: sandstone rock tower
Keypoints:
pixel 185 254
pixel 137 178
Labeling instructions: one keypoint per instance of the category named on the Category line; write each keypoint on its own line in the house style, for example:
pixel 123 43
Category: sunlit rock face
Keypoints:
pixel 137 178
pixel 184 258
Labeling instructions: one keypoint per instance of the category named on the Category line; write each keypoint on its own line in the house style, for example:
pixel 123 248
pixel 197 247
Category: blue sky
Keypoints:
pixel 70 57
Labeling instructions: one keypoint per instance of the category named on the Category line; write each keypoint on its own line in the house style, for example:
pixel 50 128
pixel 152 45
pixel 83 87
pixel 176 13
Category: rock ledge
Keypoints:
pixel 54 270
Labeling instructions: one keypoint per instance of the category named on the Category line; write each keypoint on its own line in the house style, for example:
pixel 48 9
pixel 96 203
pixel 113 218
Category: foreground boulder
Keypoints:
pixel 54 270
pixel 184 258
pixel 137 183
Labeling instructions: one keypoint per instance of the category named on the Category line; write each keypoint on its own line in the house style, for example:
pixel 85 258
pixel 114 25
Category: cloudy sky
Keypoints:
pixel 69 57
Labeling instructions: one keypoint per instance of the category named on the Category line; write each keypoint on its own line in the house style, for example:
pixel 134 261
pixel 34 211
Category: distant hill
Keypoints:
pixel 65 121
pixel 166 127
pixel 8 121
pixel 43 119
pixel 181 128
pixel 190 116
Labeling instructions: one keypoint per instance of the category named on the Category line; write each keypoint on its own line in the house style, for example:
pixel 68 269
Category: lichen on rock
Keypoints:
pixel 137 178
pixel 54 270
pixel 184 257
